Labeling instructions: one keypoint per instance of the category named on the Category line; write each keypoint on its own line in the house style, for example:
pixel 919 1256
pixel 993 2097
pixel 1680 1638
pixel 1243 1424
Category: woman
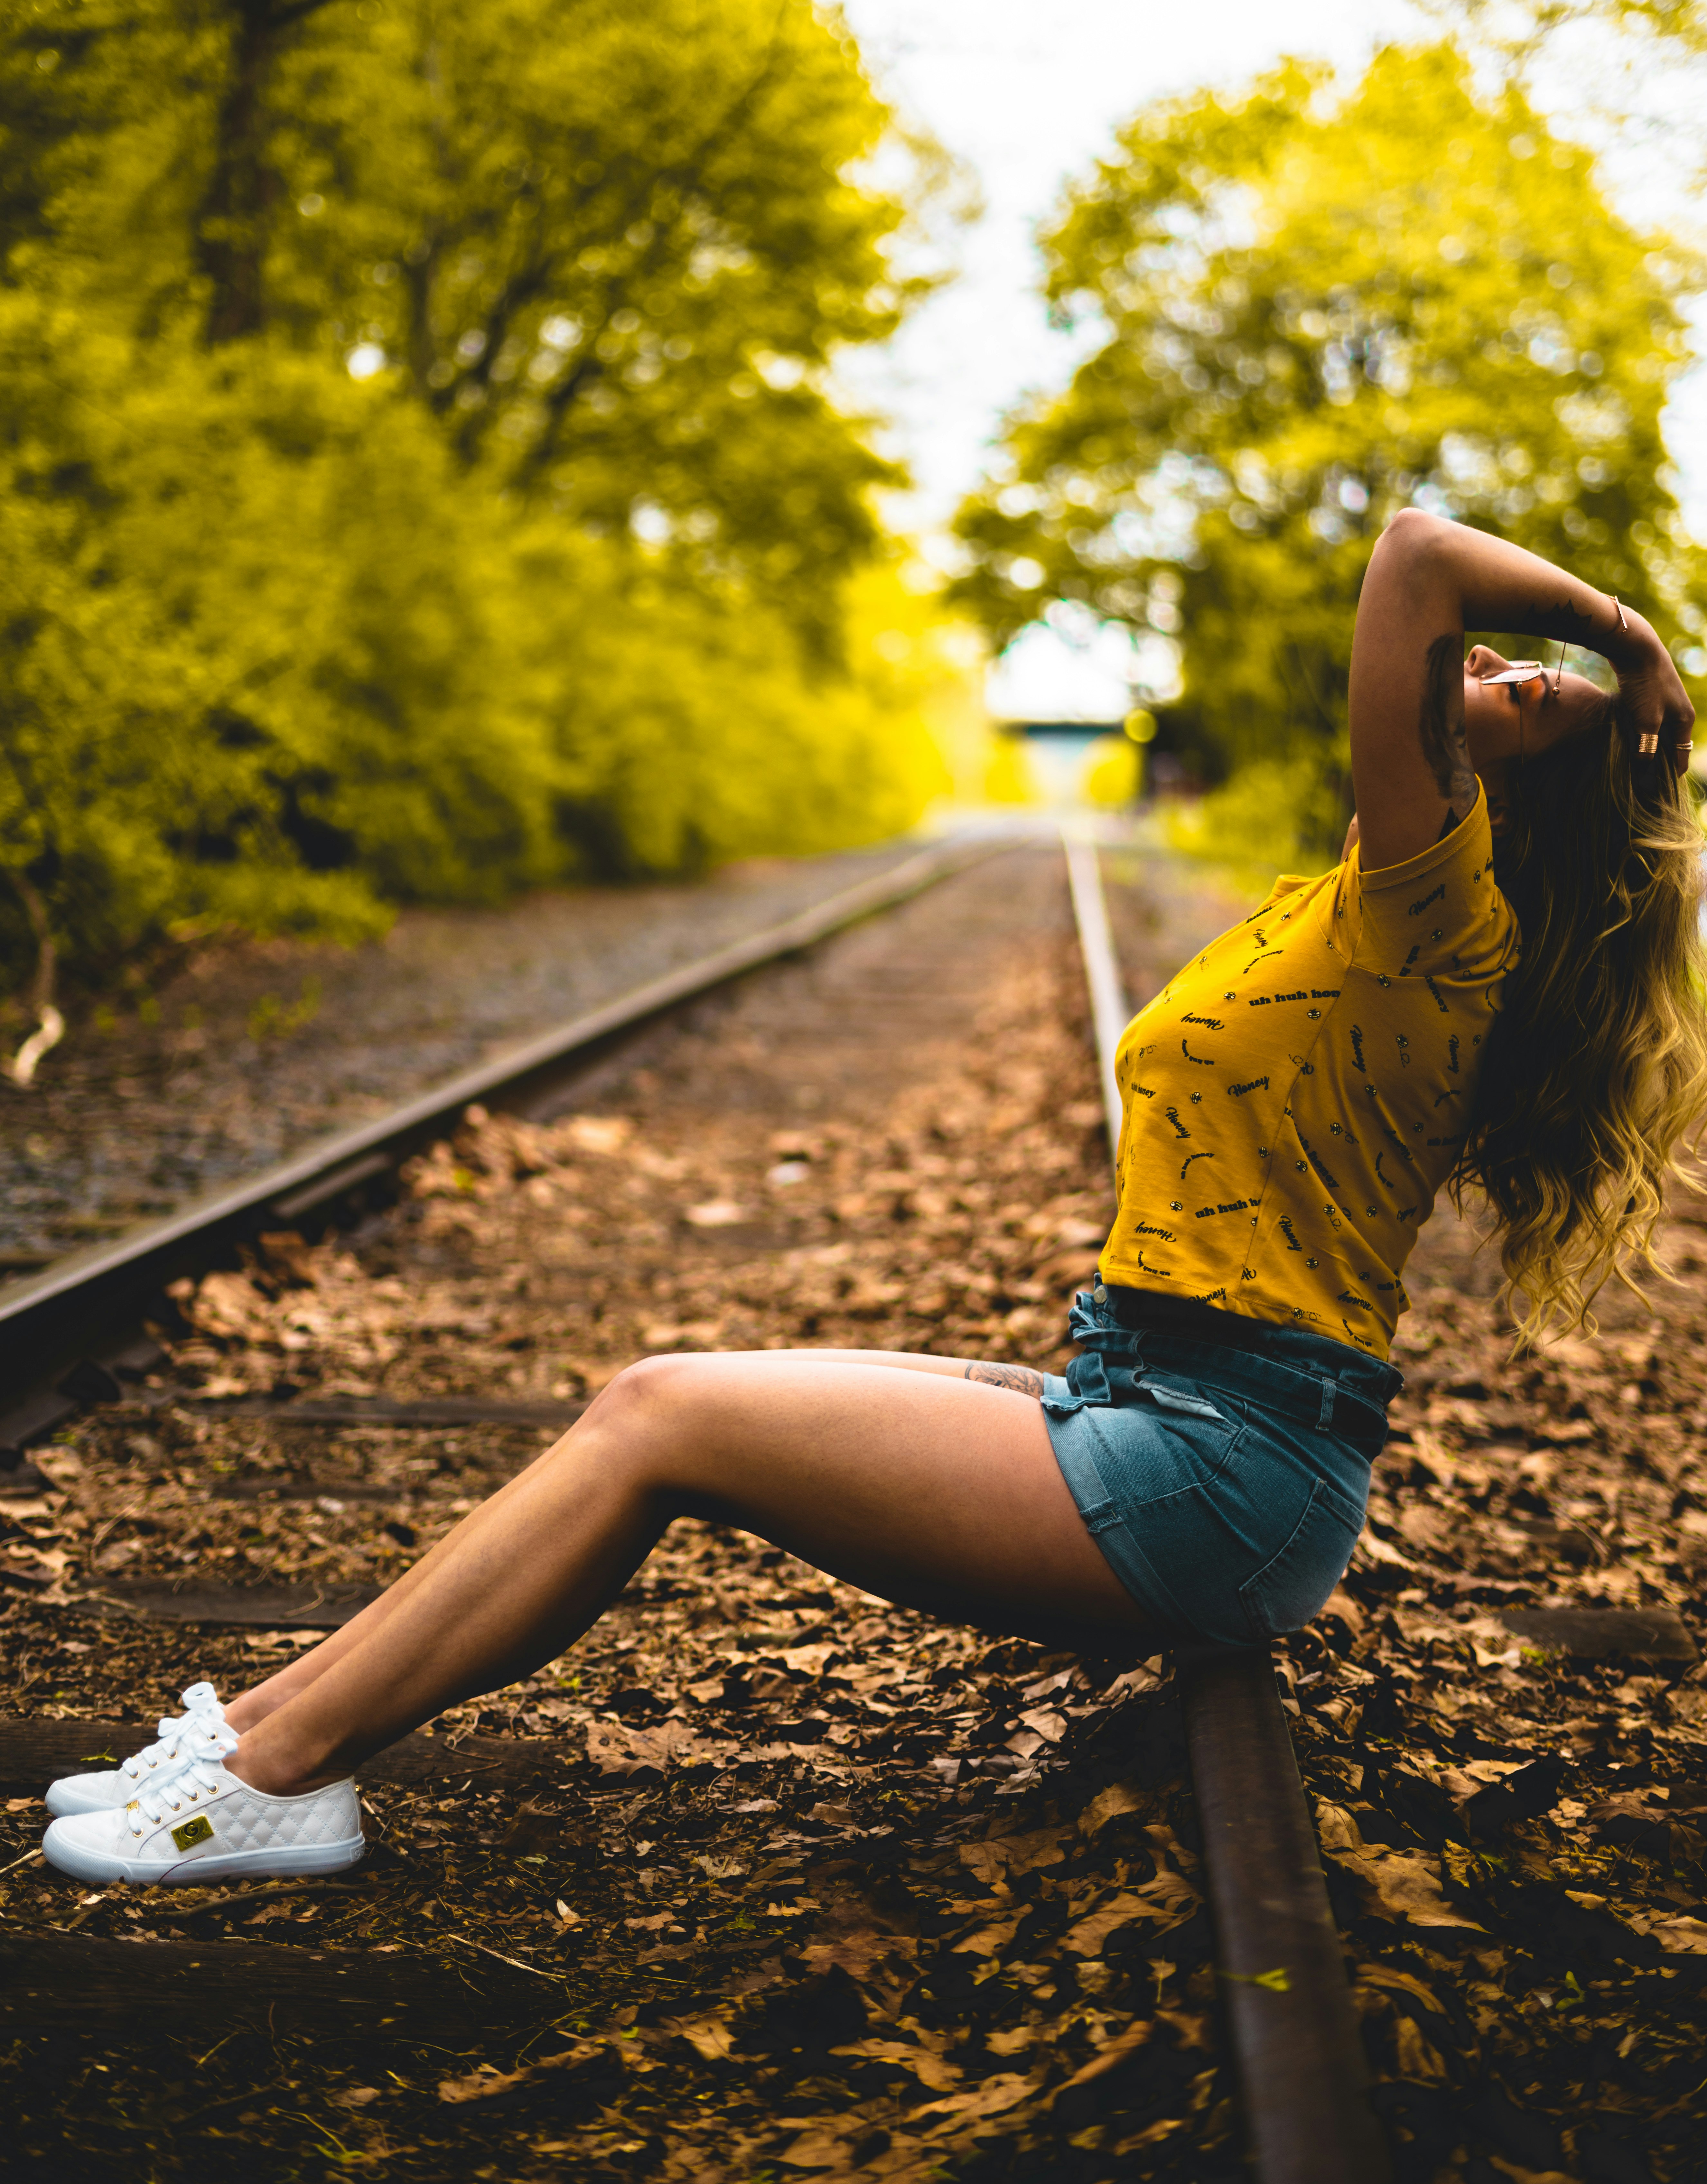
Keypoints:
pixel 1294 1101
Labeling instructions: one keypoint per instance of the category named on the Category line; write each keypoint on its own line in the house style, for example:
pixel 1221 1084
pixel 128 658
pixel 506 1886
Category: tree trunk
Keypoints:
pixel 236 212
pixel 50 1025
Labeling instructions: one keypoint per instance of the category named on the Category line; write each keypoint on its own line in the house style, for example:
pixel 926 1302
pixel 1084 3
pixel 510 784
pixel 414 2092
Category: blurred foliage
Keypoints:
pixel 1113 771
pixel 419 473
pixel 1009 776
pixel 1323 305
pixel 1272 815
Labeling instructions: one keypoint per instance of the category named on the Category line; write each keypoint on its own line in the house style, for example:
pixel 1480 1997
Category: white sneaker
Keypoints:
pixel 180 1735
pixel 202 1822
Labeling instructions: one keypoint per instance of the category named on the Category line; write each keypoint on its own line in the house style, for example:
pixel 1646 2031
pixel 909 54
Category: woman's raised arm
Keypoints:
pixel 1428 582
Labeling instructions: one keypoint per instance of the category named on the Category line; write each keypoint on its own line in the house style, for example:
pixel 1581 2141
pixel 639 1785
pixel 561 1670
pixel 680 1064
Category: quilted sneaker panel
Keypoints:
pixel 248 1820
pixel 181 1828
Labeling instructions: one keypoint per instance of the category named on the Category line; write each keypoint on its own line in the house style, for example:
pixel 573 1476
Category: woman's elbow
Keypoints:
pixel 1413 537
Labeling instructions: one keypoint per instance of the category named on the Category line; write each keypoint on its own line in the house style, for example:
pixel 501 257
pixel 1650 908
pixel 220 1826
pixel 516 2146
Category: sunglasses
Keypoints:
pixel 1528 670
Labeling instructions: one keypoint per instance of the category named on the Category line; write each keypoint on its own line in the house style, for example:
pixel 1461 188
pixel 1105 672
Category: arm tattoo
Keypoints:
pixel 1440 727
pixel 1566 624
pixel 1020 1378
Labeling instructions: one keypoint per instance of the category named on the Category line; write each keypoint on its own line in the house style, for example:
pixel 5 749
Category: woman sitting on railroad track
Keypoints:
pixel 1294 1101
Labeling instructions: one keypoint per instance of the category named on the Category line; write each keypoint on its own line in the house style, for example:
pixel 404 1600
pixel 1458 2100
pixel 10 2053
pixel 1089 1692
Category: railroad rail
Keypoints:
pixel 1286 2004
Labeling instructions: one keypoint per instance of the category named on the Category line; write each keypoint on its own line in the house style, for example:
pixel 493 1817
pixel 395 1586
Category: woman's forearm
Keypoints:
pixel 1498 586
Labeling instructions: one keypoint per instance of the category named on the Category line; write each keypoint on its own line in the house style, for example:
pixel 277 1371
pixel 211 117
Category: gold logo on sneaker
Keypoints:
pixel 199 1829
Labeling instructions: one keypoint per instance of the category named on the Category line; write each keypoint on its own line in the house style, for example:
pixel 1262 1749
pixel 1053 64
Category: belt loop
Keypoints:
pixel 1324 1424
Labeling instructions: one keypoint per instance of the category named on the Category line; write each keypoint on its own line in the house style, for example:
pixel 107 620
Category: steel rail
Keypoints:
pixel 50 1320
pixel 1294 2029
pixel 1108 1009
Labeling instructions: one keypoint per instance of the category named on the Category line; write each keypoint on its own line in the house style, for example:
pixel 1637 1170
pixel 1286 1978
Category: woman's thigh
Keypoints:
pixel 923 1486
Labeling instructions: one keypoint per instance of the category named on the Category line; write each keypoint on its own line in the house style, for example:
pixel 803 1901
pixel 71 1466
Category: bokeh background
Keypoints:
pixel 451 450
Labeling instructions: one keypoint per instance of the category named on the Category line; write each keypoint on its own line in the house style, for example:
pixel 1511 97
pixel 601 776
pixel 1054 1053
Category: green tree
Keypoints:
pixel 613 250
pixel 616 251
pixel 574 581
pixel 1323 305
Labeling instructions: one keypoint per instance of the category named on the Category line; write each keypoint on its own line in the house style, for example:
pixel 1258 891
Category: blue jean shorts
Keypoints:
pixel 1222 1464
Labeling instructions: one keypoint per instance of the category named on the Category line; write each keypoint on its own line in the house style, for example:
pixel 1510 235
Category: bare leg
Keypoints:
pixel 923 1486
pixel 253 1705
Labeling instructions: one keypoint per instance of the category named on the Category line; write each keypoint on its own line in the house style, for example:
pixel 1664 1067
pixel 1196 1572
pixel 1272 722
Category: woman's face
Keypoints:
pixel 1504 720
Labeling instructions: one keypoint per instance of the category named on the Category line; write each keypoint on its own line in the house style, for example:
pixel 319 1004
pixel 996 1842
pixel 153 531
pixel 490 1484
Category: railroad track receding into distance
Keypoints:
pixel 70 1336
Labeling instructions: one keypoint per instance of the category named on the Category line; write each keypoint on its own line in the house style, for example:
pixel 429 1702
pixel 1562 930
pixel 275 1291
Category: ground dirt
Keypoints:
pixel 823 1887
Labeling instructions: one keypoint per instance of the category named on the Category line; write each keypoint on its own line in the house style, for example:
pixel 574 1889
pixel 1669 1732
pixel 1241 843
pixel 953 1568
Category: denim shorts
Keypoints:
pixel 1222 1464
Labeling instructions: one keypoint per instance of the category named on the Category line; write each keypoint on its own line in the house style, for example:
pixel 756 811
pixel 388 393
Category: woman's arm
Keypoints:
pixel 1429 581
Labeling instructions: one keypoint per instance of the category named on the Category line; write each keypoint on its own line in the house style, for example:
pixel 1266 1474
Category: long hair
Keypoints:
pixel 1596 1067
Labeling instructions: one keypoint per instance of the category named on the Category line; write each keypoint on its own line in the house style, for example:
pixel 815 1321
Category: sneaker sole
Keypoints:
pixel 280 1863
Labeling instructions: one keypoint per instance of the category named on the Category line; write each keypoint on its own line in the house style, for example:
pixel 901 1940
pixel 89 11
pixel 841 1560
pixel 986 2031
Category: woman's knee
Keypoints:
pixel 645 1395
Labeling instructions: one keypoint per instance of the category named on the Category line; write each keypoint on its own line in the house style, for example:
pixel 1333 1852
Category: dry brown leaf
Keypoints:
pixel 993 2097
pixel 708 2036
pixel 1402 1885
pixel 823 2149
pixel 1681 1936
pixel 716 1213
pixel 1135 2037
pixel 598 1133
pixel 989 1941
pixel 616 1749
pixel 1001 1857
pixel 1418 2057
pixel 230 1306
pixel 480 2084
pixel 1391 1977
pixel 1108 1805
pixel 1086 1937
pixel 857 1954
pixel 930 2069
pixel 1335 1828
pixel 1341 1604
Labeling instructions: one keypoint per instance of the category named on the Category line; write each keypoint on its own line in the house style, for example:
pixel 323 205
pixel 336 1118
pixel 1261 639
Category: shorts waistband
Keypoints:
pixel 1345 1394
pixel 1143 1311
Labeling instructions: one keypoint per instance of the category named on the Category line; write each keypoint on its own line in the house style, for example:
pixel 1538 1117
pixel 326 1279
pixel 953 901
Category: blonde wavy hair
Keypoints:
pixel 1596 1072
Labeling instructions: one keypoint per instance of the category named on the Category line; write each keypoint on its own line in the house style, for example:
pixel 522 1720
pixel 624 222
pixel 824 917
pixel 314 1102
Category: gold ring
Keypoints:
pixel 1647 745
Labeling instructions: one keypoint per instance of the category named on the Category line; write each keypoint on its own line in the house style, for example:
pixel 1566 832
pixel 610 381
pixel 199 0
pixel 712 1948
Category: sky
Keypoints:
pixel 1026 94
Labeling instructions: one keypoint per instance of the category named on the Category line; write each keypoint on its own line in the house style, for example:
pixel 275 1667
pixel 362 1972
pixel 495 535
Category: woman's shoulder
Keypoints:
pixel 1442 906
pixel 1288 883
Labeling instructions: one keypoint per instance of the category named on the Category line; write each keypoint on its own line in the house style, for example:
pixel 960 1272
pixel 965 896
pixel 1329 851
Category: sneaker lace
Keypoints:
pixel 201 1707
pixel 193 1777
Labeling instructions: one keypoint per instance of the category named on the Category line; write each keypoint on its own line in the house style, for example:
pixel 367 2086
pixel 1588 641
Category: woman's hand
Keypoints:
pixel 1653 700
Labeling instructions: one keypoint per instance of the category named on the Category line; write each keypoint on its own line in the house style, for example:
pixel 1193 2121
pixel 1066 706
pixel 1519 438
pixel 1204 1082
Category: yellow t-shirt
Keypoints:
pixel 1298 1094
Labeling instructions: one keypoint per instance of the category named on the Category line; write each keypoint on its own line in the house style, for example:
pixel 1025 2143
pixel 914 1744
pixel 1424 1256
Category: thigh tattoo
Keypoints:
pixel 1020 1378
